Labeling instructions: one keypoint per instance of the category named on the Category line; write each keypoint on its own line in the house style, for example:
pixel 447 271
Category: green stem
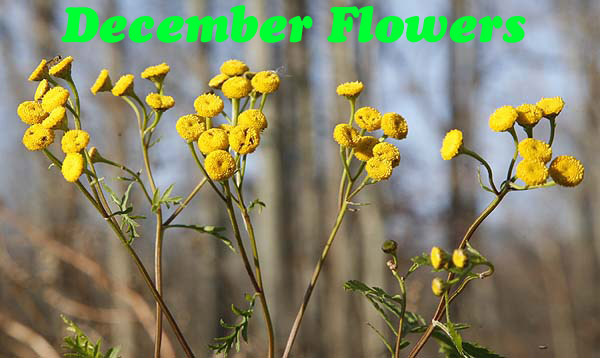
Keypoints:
pixel 185 203
pixel 235 110
pixel 514 158
pixel 552 130
pixel 485 164
pixel 263 100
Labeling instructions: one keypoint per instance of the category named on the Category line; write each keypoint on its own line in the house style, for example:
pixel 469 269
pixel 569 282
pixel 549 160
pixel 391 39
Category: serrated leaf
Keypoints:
pixel 239 330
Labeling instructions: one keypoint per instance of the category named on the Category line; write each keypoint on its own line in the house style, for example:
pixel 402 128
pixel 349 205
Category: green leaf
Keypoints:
pixel 257 203
pixel 165 199
pixel 239 330
pixel 419 261
pixel 78 345
pixel 215 231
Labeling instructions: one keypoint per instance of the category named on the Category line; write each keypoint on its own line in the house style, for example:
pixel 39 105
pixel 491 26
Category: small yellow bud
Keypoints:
pixel 503 118
pixel 438 286
pixel 452 144
pixel 62 69
pixel 439 258
pixel 266 82
pixel 234 68
pixel 208 105
pixel 236 87
pixel 460 258
pixel 567 171
pixel 72 167
pixel 350 89
pixel 368 118
pixel 74 141
pixel 219 165
pixel 394 125
pixel 213 139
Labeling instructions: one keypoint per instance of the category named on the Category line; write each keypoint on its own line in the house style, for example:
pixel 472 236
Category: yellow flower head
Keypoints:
pixel 218 80
pixel 233 68
pixel 244 140
pixel 213 139
pixel 529 114
pixel 379 168
pixel 190 127
pixel 350 89
pixel 439 258
pixel 74 141
pixel 460 258
pixel 55 97
pixel 535 149
pixel 532 172
pixel 503 118
pixel 364 148
pixel 551 107
pixel 236 87
pixel 266 82
pixel 438 287
pixel 156 73
pixel 226 127
pixel 219 165
pixel 41 90
pixel 368 118
pixel 37 137
pixel 63 68
pixel 72 167
pixel 31 112
pixel 253 118
pixel 567 171
pixel 56 118
pixel 208 105
pixel 394 125
pixel 158 102
pixel 451 145
pixel 346 135
pixel 103 83
pixel 387 151
pixel 40 72
pixel 124 86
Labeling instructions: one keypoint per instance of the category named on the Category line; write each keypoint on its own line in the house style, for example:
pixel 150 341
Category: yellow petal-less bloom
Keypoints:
pixel 529 114
pixel 451 145
pixel 346 135
pixel 208 105
pixel 159 102
pixel 244 140
pixel 123 86
pixel 364 148
pixel 551 107
pixel 387 151
pixel 56 118
pixel 37 137
pixel 31 112
pixel 535 149
pixel 253 118
pixel 439 258
pixel 379 168
pixel 460 258
pixel 103 83
pixel 218 80
pixel 72 167
pixel 213 139
pixel 532 172
pixel 368 118
pixel 219 165
pixel 156 73
pixel 565 170
pixel 190 127
pixel 438 286
pixel 74 141
pixel 394 125
pixel 266 81
pixel 350 89
pixel 55 97
pixel 63 68
pixel 40 72
pixel 41 90
pixel 226 127
pixel 233 68
pixel 503 118
pixel 236 87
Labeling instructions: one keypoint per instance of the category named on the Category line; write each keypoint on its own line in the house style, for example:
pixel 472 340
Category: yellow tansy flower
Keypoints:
pixel 56 118
pixel 439 258
pixel 244 140
pixel 529 114
pixel 219 165
pixel 551 107
pixel 213 139
pixel 565 170
pixel 72 167
pixel 460 258
pixel 236 87
pixel 41 90
pixel 63 68
pixel 350 89
pixel 31 112
pixel 74 141
pixel 226 127
pixel 190 127
pixel 503 118
pixel 159 102
pixel 368 118
pixel 266 81
pixel 394 125
pixel 438 287
pixel 37 137
pixel 253 118
pixel 535 149
pixel 233 68
pixel 364 148
pixel 451 145
pixel 156 73
pixel 387 151
pixel 346 135
pixel 218 80
pixel 102 84
pixel 40 72
pixel 379 168
pixel 208 105
pixel 124 86
pixel 532 172
pixel 55 97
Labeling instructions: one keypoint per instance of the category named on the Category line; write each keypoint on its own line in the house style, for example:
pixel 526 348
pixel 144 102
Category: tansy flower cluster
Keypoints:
pixel 461 262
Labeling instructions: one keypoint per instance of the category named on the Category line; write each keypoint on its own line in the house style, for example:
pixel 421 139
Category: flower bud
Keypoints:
pixel 460 258
pixel 439 258
pixel 389 247
pixel 438 286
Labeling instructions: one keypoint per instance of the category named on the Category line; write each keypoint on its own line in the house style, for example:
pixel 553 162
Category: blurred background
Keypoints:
pixel 57 255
